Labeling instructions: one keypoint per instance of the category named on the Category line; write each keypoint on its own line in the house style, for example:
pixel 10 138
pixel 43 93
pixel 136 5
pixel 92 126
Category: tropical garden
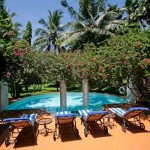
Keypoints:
pixel 102 49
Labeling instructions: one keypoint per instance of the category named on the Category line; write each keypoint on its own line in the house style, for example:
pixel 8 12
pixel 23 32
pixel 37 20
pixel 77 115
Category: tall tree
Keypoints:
pixel 92 23
pixel 28 33
pixel 5 38
pixel 48 35
pixel 138 11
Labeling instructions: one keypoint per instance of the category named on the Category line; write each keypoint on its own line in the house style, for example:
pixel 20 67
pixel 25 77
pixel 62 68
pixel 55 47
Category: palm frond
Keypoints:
pixel 41 32
pixel 71 10
pixel 44 24
pixel 72 39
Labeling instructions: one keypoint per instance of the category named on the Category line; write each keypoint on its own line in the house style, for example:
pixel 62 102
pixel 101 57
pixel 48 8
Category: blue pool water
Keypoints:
pixel 51 102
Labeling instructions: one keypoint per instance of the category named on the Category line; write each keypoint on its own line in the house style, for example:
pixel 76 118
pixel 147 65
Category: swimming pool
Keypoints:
pixel 51 102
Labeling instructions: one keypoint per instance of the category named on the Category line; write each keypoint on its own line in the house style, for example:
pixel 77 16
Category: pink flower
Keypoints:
pixel 147 60
pixel 142 66
pixel 101 68
pixel 16 53
pixel 104 75
pixel 21 53
pixel 125 62
pixel 93 60
pixel 8 74
pixel 24 62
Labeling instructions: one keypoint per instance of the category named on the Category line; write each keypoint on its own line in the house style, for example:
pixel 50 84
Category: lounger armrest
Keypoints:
pixel 98 112
pixel 136 109
pixel 65 115
pixel 12 120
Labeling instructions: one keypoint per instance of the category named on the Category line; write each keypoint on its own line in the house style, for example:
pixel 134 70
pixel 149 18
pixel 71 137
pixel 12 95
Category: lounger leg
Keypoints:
pixel 7 140
pixel 55 133
pixel 124 127
pixel 86 131
pixel 142 126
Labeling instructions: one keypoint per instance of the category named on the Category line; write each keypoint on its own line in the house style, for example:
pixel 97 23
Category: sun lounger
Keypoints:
pixel 27 120
pixel 65 119
pixel 88 116
pixel 131 113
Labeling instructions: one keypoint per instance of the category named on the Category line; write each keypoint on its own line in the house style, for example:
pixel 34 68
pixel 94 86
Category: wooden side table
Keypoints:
pixel 108 117
pixel 45 122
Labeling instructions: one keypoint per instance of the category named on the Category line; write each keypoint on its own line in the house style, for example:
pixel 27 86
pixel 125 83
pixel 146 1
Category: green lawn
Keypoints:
pixel 36 89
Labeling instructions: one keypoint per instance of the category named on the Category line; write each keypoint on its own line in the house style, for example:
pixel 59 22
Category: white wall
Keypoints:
pixel 3 95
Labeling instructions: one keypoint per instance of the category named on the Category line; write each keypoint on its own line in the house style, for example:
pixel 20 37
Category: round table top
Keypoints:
pixel 44 121
pixel 111 115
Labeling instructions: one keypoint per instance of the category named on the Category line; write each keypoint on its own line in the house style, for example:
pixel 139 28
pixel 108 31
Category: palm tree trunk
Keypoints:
pixel 85 87
pixel 63 101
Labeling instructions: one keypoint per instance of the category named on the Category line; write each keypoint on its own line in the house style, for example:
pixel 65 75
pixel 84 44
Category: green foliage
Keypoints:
pixel 48 35
pixel 6 34
pixel 28 33
pixel 92 23
pixel 138 11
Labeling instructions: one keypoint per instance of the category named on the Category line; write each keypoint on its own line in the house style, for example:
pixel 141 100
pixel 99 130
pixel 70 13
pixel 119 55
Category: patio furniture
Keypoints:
pixel 131 113
pixel 65 120
pixel 44 122
pixel 25 121
pixel 88 116
pixel 109 117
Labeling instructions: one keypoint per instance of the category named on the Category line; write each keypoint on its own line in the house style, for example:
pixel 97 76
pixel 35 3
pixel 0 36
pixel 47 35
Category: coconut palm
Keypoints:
pixel 47 36
pixel 93 23
pixel 138 11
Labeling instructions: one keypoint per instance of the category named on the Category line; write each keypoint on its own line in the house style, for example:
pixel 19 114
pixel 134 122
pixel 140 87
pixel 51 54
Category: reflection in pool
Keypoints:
pixel 51 102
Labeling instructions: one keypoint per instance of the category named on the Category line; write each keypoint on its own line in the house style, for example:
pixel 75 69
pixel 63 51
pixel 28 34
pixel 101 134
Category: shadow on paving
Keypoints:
pixel 25 137
pixel 68 134
pixel 96 130
pixel 131 126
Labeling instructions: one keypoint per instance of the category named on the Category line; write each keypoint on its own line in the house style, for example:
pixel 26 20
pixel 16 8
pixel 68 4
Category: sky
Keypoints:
pixel 33 10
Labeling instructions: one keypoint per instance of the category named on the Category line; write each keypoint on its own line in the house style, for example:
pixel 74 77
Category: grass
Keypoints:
pixel 32 90
pixel 42 89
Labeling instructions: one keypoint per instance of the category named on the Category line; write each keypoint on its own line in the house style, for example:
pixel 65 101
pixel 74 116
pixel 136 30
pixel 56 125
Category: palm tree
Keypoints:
pixel 93 23
pixel 47 36
pixel 138 11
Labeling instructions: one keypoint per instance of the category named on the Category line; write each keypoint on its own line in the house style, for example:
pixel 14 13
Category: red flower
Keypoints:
pixel 16 53
pixel 104 75
pixel 8 74
pixel 101 68
pixel 21 53
pixel 125 62
pixel 29 50
pixel 93 60
pixel 142 66
pixel 147 60
pixel 137 44
pixel 24 62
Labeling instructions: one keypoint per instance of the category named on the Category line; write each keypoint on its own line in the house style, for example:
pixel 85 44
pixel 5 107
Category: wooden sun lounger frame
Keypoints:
pixel 93 118
pixel 62 122
pixel 19 125
pixel 135 115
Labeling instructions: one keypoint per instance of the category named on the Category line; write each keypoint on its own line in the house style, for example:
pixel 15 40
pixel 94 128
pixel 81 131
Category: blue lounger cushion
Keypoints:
pixel 121 112
pixel 26 117
pixel 86 113
pixel 31 117
pixel 64 114
pixel 136 109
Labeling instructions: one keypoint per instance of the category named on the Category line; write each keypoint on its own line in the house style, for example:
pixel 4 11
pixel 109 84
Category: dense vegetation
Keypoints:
pixel 102 45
